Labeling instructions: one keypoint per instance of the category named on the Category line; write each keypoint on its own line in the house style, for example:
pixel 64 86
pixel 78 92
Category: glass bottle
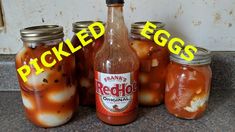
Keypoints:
pixel 116 67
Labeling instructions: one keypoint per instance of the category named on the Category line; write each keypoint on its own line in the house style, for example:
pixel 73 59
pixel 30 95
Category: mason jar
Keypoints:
pixel 84 63
pixel 188 85
pixel 49 99
pixel 153 65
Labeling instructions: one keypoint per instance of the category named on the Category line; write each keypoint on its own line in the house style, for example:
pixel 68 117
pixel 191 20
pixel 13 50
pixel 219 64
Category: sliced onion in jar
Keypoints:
pixel 196 103
pixel 141 48
pixel 183 98
pixel 19 55
pixel 170 82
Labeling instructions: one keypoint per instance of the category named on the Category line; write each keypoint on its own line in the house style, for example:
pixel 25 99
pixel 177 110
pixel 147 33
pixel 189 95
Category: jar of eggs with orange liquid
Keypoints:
pixel 85 63
pixel 49 98
pixel 188 85
pixel 153 65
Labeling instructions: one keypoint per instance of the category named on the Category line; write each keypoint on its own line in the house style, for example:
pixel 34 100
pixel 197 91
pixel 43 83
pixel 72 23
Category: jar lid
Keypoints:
pixel 41 33
pixel 201 57
pixel 78 26
pixel 114 1
pixel 137 27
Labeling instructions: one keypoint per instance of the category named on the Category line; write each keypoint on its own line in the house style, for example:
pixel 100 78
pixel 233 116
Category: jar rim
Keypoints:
pixel 80 25
pixel 137 27
pixel 41 33
pixel 201 57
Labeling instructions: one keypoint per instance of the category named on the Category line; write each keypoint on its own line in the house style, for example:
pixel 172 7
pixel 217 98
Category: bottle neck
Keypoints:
pixel 116 33
pixel 115 14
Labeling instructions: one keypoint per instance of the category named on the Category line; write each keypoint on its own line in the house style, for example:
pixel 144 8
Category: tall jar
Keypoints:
pixel 49 98
pixel 84 64
pixel 153 65
pixel 188 85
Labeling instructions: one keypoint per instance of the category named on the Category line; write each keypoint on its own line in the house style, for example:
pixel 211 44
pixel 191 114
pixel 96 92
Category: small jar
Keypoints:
pixel 153 65
pixel 188 85
pixel 84 63
pixel 49 98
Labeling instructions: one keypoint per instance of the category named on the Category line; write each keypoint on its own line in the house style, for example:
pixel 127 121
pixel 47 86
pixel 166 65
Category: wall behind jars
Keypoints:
pixel 207 23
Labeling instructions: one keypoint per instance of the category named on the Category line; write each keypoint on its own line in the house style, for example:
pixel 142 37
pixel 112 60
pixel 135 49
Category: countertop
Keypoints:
pixel 220 116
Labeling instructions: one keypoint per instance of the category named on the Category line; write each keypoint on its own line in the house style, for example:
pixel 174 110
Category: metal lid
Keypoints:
pixel 201 57
pixel 78 26
pixel 114 1
pixel 41 33
pixel 137 27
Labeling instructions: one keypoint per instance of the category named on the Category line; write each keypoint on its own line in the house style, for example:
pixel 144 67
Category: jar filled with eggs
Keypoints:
pixel 153 65
pixel 49 98
pixel 85 63
pixel 188 85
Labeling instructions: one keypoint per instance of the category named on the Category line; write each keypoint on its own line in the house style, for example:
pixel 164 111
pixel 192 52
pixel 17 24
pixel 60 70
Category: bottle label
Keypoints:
pixel 116 94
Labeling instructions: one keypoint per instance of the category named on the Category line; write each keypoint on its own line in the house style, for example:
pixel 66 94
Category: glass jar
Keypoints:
pixel 49 98
pixel 188 85
pixel 84 64
pixel 153 65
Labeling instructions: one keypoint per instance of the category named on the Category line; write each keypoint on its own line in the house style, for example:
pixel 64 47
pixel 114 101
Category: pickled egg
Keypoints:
pixel 143 77
pixel 27 102
pixel 62 95
pixel 145 97
pixel 155 63
pixel 54 119
pixel 35 82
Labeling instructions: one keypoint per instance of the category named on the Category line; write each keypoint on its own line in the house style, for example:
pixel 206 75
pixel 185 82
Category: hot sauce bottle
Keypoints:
pixel 116 67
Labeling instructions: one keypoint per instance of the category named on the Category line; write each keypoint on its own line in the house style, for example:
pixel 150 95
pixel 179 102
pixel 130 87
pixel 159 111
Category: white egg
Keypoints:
pixel 155 63
pixel 196 103
pixel 143 78
pixel 63 95
pixel 54 119
pixel 35 80
pixel 27 102
pixel 145 97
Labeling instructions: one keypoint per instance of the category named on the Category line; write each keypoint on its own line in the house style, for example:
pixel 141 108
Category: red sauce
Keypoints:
pixel 116 66
pixel 187 90
pixel 84 70
pixel 49 98
pixel 153 69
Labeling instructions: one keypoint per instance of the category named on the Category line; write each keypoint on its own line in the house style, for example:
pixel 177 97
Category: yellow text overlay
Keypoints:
pixel 82 35
pixel 175 45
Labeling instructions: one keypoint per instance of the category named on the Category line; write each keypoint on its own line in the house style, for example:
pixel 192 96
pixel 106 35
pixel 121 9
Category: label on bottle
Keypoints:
pixel 116 94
